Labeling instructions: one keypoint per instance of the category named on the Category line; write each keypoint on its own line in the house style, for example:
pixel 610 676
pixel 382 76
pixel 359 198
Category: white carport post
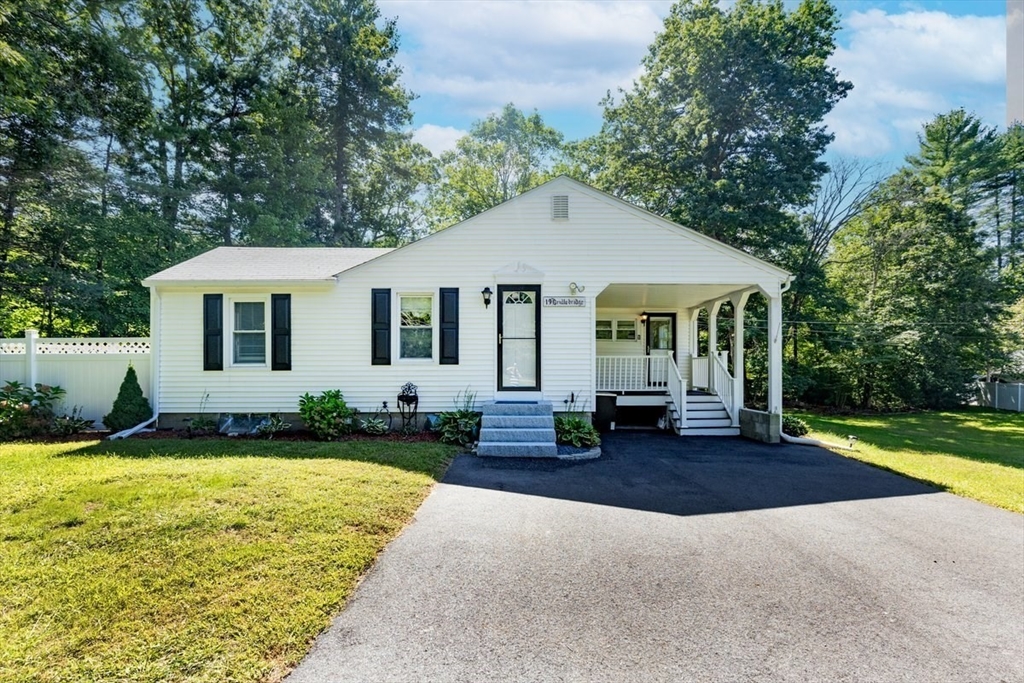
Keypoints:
pixel 775 354
pixel 739 303
pixel 712 342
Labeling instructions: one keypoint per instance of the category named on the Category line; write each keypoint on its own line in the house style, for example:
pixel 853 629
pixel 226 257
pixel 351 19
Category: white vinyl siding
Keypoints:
pixel 514 243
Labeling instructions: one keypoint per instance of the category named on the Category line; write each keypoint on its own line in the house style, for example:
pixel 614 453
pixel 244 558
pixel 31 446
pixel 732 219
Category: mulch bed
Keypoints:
pixel 292 435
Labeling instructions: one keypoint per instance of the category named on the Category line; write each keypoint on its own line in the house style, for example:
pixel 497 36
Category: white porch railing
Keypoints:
pixel 699 376
pixel 633 373
pixel 722 383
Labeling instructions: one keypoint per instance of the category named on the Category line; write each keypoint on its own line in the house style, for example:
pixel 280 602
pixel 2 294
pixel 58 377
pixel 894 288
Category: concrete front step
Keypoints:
pixel 517 449
pixel 492 435
pixel 516 408
pixel 711 431
pixel 517 422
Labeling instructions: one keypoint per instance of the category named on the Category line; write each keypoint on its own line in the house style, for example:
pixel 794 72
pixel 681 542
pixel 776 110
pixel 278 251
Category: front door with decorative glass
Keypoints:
pixel 518 337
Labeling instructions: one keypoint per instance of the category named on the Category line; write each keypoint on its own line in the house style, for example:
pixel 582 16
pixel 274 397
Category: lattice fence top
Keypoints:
pixel 79 347
pixel 11 347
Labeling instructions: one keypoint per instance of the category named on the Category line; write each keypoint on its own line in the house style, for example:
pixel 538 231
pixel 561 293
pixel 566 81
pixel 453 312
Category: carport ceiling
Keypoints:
pixel 653 297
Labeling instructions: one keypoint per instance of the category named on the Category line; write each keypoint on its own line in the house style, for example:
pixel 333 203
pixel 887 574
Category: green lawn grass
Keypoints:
pixel 975 452
pixel 205 560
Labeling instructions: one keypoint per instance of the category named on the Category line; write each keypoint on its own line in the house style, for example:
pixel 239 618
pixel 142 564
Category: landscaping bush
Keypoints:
pixel 70 424
pixel 272 425
pixel 794 426
pixel 460 427
pixel 25 411
pixel 576 430
pixel 130 406
pixel 375 426
pixel 327 415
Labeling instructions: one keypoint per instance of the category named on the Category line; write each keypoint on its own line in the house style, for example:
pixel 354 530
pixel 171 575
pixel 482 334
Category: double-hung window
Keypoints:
pixel 249 333
pixel 416 331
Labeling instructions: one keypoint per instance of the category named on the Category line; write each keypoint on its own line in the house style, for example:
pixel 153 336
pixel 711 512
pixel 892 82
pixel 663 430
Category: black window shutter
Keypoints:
pixel 281 332
pixel 449 326
pixel 380 327
pixel 213 332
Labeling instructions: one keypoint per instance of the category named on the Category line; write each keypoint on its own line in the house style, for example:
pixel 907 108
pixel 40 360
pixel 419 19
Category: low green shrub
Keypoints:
pixel 460 427
pixel 130 406
pixel 794 426
pixel 327 415
pixel 26 411
pixel 70 424
pixel 375 426
pixel 272 425
pixel 576 430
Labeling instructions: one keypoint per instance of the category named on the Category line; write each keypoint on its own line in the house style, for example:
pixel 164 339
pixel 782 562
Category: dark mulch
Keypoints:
pixel 292 435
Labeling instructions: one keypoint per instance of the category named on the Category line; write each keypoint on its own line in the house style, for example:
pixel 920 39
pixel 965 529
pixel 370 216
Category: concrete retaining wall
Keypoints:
pixel 760 426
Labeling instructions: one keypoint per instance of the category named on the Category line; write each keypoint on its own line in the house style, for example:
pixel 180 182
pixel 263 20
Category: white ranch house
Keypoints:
pixel 588 296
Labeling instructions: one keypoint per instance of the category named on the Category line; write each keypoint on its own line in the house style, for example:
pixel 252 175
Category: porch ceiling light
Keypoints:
pixel 643 317
pixel 486 294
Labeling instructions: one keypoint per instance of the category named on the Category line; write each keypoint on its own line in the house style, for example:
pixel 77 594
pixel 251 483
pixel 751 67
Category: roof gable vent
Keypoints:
pixel 560 207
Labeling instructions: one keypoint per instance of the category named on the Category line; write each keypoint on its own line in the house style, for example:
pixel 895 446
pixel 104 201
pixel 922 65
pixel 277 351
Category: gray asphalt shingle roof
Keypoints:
pixel 240 264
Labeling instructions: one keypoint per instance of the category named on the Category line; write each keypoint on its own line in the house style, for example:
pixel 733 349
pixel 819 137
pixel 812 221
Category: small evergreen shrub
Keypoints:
pixel 794 426
pixel 130 406
pixel 576 430
pixel 26 411
pixel 327 415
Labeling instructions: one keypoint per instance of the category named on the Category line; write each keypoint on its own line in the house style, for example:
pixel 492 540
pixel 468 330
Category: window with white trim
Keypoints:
pixel 616 329
pixel 625 330
pixel 249 333
pixel 415 326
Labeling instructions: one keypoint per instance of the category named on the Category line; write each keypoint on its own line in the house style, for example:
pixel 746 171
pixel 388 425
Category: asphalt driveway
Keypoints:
pixel 694 559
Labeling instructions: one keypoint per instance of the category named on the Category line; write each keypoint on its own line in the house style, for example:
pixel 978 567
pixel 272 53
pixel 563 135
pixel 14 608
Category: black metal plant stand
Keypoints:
pixel 408 405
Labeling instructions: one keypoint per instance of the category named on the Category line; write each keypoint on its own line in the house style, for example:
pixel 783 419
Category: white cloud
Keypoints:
pixel 908 67
pixel 537 54
pixel 437 139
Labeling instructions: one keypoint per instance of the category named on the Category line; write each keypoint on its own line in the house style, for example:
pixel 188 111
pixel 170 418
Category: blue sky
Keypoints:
pixel 908 60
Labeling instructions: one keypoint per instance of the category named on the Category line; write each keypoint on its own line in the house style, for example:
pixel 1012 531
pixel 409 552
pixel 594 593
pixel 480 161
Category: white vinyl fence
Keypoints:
pixel 89 369
pixel 1001 396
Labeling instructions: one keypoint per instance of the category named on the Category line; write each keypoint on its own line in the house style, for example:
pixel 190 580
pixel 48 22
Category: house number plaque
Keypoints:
pixel 566 301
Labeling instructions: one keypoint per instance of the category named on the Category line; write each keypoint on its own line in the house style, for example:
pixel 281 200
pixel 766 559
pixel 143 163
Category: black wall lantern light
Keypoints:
pixel 486 293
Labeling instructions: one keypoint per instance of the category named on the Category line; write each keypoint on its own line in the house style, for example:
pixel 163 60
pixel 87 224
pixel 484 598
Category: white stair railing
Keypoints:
pixel 677 392
pixel 722 383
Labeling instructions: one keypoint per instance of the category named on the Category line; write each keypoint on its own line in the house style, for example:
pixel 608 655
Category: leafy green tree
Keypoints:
pixel 923 302
pixel 346 69
pixel 723 131
pixel 957 153
pixel 503 155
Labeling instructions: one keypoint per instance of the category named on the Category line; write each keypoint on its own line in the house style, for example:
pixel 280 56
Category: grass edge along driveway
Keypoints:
pixel 974 452
pixel 152 560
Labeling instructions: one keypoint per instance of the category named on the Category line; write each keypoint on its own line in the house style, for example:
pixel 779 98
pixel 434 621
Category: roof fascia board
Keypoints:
pixel 241 284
